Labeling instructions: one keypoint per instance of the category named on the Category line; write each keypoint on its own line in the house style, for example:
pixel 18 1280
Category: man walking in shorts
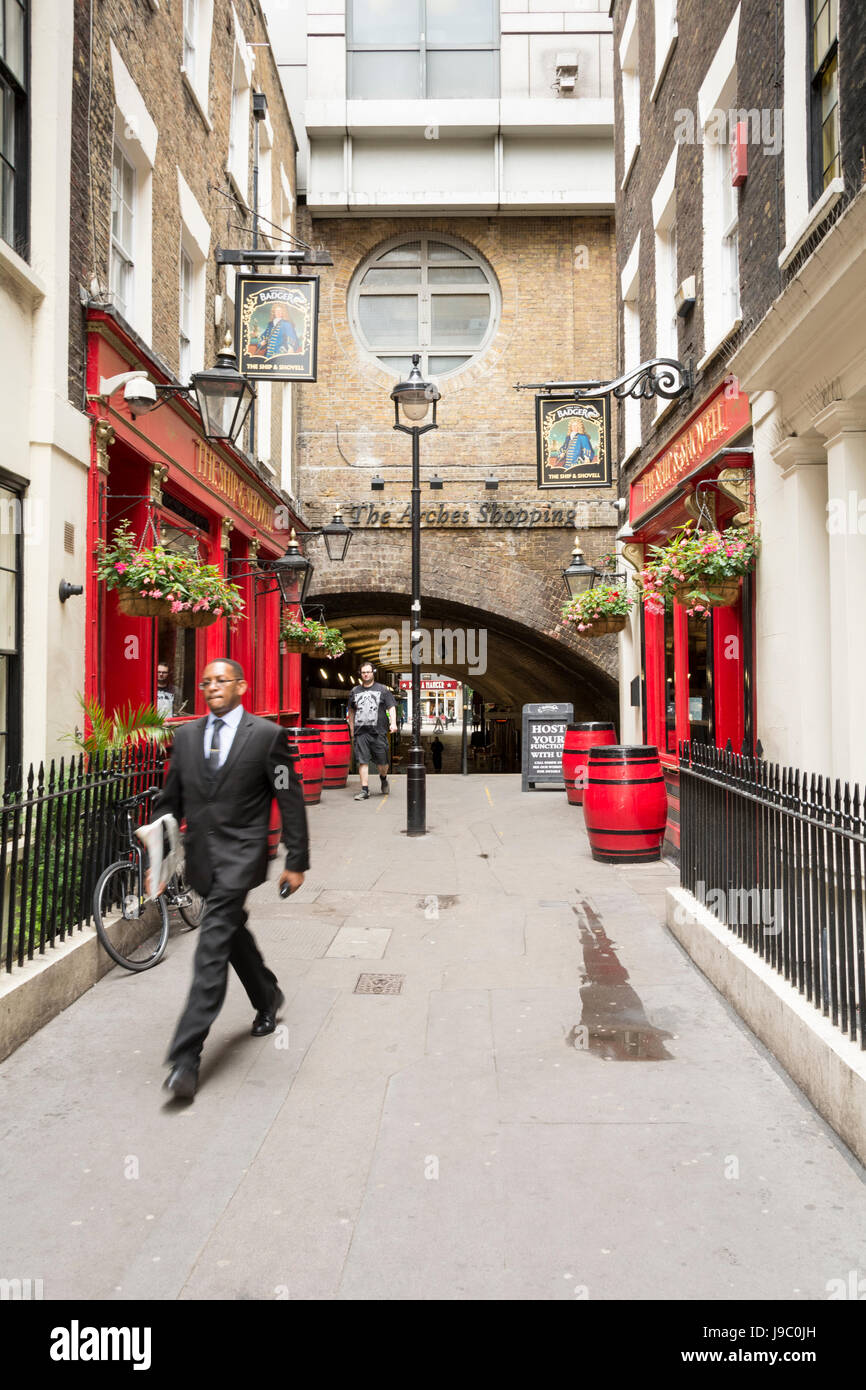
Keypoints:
pixel 371 712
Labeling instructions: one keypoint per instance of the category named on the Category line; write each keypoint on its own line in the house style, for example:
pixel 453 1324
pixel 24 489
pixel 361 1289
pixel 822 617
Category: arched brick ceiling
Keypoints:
pixel 523 666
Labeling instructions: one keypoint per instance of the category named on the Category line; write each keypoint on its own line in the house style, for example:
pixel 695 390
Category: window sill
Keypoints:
pixel 196 99
pixel 665 63
pixel 717 346
pixel 630 165
pixel 20 273
pixel 828 199
pixel 236 188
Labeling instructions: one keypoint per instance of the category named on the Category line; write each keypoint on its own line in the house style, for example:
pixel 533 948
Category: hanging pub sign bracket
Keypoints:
pixel 661 376
pixel 267 257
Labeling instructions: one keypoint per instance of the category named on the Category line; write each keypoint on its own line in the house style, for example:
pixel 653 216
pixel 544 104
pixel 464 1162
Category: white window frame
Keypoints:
pixel 629 56
pixel 266 176
pixel 185 314
pixel 665 15
pixel 630 294
pixel 287 441
pixel 263 407
pixel 197 23
pixel 122 262
pixel 195 235
pixel 238 161
pixel 136 135
pixel 423 344
pixel 664 209
pixel 721 291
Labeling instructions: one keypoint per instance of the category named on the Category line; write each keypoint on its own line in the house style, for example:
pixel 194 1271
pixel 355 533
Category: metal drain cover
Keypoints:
pixel 380 984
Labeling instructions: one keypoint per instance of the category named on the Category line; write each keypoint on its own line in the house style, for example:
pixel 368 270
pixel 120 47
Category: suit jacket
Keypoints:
pixel 227 816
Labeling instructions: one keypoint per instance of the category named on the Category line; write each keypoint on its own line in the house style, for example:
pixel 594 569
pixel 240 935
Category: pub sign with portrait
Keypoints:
pixel 573 442
pixel 277 327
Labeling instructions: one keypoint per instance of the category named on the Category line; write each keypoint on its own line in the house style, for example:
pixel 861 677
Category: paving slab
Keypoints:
pixel 553 1104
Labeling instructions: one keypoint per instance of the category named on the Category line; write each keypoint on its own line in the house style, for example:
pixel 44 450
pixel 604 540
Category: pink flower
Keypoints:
pixel 121 567
pixel 219 612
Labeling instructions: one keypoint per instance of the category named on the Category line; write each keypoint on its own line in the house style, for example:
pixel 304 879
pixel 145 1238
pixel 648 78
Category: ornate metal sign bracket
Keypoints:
pixel 662 376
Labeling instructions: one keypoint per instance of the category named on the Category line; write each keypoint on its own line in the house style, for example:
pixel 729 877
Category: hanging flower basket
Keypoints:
pixel 305 637
pixel 600 611
pixel 699 569
pixel 185 618
pixel 296 647
pixel 603 627
pixel 156 582
pixel 723 594
pixel 132 605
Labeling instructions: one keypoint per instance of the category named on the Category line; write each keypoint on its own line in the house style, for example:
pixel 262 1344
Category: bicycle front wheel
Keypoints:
pixel 139 928
pixel 190 904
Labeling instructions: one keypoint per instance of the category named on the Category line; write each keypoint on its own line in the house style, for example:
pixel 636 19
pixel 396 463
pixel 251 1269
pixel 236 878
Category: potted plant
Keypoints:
pixel 601 610
pixel 158 583
pixel 700 569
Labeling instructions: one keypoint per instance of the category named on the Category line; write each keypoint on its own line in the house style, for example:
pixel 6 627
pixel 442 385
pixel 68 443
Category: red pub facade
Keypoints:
pixel 696 674
pixel 157 470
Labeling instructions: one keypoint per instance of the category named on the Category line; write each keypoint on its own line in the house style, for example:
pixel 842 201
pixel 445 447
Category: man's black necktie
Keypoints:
pixel 214 759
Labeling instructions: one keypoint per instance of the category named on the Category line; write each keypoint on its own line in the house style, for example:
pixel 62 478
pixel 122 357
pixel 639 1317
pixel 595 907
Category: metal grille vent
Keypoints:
pixel 69 538
pixel 380 984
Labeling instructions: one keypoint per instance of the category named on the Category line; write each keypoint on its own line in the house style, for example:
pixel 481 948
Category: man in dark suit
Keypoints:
pixel 225 770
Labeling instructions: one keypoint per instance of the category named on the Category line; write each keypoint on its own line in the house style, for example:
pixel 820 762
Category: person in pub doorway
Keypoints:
pixel 225 771
pixel 371 711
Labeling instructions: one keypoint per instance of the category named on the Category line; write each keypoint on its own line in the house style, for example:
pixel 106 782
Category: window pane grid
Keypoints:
pixel 13 17
pixel 425 48
pixel 445 320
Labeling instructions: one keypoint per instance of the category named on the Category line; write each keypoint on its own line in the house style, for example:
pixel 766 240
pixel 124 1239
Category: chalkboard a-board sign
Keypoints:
pixel 543 737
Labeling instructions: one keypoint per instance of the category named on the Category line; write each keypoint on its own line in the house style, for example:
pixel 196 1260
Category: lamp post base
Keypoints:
pixel 416 793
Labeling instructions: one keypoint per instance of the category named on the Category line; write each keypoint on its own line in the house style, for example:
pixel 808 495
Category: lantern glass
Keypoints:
pixel 224 397
pixel 579 576
pixel 337 536
pixel 414 396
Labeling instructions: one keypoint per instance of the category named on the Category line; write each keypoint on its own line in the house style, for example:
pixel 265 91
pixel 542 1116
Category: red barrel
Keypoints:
pixel 336 748
pixel 625 804
pixel 305 746
pixel 579 739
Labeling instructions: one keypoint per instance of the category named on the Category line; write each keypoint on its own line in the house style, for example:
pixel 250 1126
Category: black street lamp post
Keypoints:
pixel 414 397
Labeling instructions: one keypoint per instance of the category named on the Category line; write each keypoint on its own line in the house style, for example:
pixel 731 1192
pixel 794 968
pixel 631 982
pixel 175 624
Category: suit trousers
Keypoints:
pixel 223 940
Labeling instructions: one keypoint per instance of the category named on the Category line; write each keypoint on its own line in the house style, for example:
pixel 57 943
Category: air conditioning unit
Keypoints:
pixel 566 72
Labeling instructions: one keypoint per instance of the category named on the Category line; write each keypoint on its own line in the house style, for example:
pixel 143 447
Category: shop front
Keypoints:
pixel 697 673
pixel 441 700
pixel 157 471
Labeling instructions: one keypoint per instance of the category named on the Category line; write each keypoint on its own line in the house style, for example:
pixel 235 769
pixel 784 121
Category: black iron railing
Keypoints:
pixel 780 857
pixel 57 834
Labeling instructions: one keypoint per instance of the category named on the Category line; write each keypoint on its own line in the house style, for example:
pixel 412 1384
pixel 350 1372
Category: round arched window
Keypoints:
pixel 432 296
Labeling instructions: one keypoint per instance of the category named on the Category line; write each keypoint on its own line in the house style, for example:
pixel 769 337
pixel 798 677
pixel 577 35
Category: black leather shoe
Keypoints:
pixel 182 1081
pixel 265 1020
pixel 385 787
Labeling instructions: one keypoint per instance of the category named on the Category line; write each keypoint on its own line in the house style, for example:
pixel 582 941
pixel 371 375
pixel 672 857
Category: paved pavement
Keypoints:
pixel 557 1105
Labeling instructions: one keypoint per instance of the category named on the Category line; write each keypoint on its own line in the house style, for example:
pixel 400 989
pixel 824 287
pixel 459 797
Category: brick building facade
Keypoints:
pixel 517 179
pixel 716 247
pixel 180 134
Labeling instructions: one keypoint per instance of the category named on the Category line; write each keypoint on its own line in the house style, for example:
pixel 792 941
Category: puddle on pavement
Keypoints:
pixel 613 1024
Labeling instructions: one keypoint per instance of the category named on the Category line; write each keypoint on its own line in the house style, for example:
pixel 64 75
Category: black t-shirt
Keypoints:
pixel 371 704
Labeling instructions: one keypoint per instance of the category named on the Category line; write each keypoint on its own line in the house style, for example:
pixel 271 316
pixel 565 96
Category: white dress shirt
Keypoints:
pixel 231 720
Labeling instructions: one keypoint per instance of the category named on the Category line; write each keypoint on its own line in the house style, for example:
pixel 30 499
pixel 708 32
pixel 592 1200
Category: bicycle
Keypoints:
pixel 120 895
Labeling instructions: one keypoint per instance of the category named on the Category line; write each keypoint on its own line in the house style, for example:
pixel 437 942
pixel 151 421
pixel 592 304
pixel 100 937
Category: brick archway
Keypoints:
pixel 505 584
